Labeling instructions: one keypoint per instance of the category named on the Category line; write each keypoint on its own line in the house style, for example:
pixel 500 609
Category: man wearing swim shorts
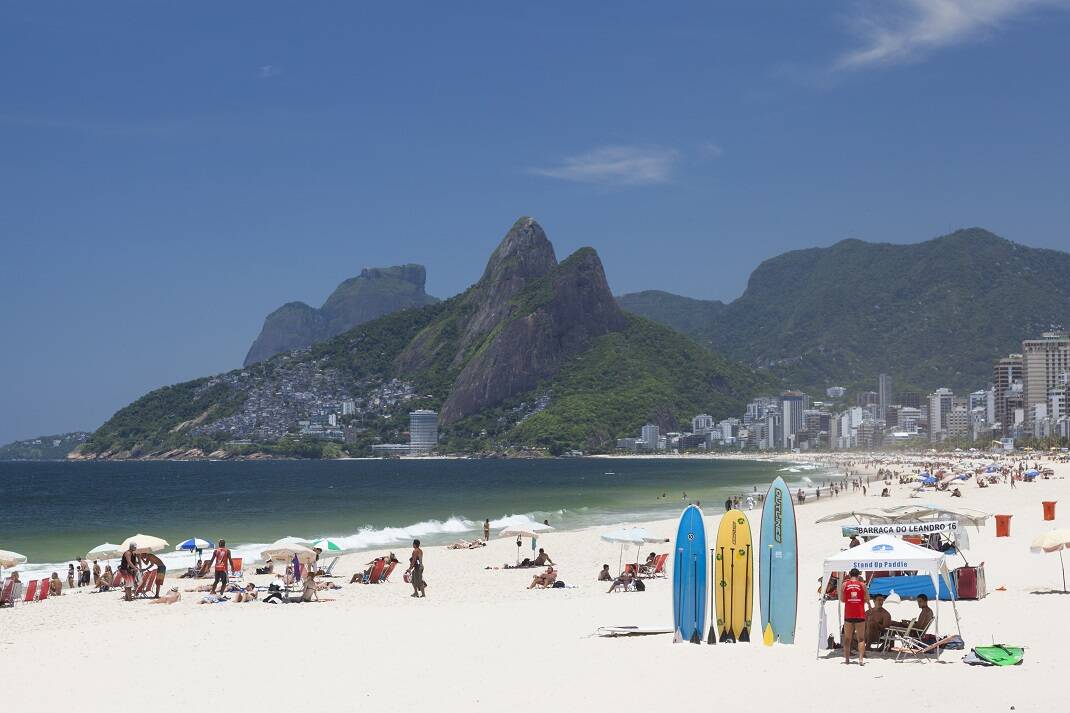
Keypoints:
pixel 222 564
pixel 855 602
pixel 128 568
pixel 161 571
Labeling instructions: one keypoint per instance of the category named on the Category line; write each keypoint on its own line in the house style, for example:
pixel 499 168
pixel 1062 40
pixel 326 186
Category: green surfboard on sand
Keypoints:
pixel 1000 655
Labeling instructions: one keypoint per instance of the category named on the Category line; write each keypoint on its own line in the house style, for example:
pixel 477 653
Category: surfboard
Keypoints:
pixel 689 577
pixel 778 566
pixel 733 590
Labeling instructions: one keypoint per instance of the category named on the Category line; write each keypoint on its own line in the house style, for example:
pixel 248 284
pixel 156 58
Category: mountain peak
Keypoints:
pixel 411 273
pixel 524 253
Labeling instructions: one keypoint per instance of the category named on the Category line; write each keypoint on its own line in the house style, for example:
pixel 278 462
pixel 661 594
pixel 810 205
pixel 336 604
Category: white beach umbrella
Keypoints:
pixel 106 551
pixel 1053 541
pixel 637 536
pixel 145 543
pixel 11 559
pixel 529 529
pixel 287 551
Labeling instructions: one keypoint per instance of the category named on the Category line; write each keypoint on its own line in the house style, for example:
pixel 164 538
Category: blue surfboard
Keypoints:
pixel 778 566
pixel 689 587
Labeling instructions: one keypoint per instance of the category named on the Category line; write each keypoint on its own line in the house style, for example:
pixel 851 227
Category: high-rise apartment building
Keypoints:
pixel 793 405
pixel 884 395
pixel 423 430
pixel 1044 361
pixel 703 423
pixel 911 399
pixel 651 435
pixel 940 404
pixel 1006 392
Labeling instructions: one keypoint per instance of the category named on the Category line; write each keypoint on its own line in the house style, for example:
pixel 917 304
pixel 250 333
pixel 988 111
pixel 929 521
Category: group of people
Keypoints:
pixel 866 619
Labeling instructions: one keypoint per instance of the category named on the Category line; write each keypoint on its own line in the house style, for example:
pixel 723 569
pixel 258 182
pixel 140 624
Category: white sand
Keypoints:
pixel 481 641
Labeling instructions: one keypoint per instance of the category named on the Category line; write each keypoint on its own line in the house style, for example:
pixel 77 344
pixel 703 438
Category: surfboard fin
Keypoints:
pixel 727 636
pixel 712 638
pixel 767 635
pixel 695 639
pixel 677 637
pixel 744 635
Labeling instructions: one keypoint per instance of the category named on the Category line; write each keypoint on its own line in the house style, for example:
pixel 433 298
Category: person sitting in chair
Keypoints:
pixel 622 582
pixel 924 617
pixel 877 620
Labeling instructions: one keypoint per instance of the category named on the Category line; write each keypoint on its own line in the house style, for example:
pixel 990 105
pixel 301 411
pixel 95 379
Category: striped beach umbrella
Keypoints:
pixel 327 547
pixel 194 543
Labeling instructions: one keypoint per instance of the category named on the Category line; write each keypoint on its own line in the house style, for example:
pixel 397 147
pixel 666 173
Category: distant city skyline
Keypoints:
pixel 170 177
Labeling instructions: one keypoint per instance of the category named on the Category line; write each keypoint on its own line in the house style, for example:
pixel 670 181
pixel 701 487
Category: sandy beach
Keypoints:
pixel 482 641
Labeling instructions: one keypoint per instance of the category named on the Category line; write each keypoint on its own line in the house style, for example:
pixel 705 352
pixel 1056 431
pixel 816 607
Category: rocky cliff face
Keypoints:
pixel 374 293
pixel 515 327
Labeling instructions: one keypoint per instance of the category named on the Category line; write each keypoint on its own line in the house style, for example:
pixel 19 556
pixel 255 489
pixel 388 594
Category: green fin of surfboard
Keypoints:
pixel 767 635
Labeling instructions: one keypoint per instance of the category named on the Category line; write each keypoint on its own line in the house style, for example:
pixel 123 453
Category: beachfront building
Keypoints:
pixel 703 423
pixel 650 438
pixel 793 406
pixel 884 395
pixel 848 423
pixel 1044 361
pixel 941 402
pixel 1007 396
pixel 423 431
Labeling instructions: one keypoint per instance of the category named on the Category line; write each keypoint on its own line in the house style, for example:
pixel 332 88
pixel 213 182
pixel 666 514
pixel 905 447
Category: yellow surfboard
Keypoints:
pixel 733 581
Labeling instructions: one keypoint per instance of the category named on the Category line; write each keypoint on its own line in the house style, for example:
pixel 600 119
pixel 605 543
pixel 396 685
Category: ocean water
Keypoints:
pixel 53 512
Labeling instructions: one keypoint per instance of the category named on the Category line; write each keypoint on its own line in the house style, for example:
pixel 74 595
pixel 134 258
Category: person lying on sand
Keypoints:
pixel 544 580
pixel 213 599
pixel 246 595
pixel 604 575
pixel 466 545
pixel 623 582
pixel 170 598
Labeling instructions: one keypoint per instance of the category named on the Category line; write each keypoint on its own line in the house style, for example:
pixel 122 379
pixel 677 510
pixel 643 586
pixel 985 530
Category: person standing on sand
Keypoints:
pixel 486 530
pixel 127 569
pixel 83 572
pixel 96 573
pixel 855 604
pixel 161 571
pixel 222 564
pixel 416 570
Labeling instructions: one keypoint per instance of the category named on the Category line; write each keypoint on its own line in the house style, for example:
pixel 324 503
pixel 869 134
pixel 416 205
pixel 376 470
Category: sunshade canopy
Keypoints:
pixel 11 559
pixel 105 551
pixel 145 543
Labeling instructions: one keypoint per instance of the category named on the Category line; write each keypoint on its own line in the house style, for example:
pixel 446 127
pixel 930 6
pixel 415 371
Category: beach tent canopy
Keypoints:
pixel 631 536
pixel 887 553
pixel 285 551
pixel 145 543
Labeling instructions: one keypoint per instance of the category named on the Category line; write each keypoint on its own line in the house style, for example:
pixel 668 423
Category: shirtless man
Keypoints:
pixel 546 579
pixel 161 571
pixel 877 620
pixel 169 598
pixel 127 567
pixel 542 559
pixel 96 573
pixel 925 616
pixel 416 570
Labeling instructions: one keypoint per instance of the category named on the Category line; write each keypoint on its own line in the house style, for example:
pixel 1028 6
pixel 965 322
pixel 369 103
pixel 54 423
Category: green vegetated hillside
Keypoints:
pixel 932 314
pixel 537 353
pixel 43 447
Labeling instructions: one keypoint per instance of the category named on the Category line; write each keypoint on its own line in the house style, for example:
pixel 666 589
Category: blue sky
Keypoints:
pixel 170 173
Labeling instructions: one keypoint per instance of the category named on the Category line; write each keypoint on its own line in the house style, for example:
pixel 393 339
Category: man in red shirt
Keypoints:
pixel 855 603
pixel 222 565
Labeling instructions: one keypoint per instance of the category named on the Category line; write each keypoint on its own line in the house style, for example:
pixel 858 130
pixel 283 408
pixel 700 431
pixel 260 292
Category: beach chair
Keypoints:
pixel 43 590
pixel 387 572
pixel 330 568
pixel 31 591
pixel 913 648
pixel 655 570
pixel 236 571
pixel 7 596
pixel 145 583
pixel 376 572
pixel 910 631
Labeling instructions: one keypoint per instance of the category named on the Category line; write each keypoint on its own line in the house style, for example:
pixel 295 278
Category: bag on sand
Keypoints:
pixel 639 586
pixel 558 584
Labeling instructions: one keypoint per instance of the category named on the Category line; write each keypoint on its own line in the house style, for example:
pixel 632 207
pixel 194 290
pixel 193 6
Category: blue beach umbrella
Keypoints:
pixel 194 543
pixel 1033 472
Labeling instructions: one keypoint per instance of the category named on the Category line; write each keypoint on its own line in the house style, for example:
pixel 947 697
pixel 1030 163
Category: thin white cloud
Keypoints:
pixel 900 31
pixel 267 71
pixel 616 166
pixel 709 149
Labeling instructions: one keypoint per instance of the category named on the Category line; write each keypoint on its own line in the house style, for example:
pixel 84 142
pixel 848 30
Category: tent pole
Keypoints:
pixel 1063 566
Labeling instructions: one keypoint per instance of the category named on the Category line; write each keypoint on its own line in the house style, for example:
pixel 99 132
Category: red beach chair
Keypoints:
pixel 31 591
pixel 43 590
pixel 387 572
pixel 6 597
pixel 236 571
pixel 375 576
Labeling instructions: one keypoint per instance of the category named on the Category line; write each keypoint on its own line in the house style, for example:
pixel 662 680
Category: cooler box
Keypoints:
pixel 970 582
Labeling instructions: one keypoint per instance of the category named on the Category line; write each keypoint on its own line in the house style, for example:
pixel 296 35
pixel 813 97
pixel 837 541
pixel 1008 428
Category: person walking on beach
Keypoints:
pixel 486 530
pixel 96 573
pixel 416 570
pixel 855 604
pixel 222 564
pixel 161 571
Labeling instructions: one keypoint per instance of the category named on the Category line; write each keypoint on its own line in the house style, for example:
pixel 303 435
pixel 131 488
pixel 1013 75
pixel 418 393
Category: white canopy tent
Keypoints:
pixel 888 553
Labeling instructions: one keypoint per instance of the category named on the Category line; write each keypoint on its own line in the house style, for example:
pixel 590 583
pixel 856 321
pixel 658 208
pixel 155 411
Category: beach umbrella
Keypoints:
pixel 285 551
pixel 637 536
pixel 327 547
pixel 106 551
pixel 1053 541
pixel 530 529
pixel 1032 472
pixel 194 543
pixel 11 559
pixel 145 543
